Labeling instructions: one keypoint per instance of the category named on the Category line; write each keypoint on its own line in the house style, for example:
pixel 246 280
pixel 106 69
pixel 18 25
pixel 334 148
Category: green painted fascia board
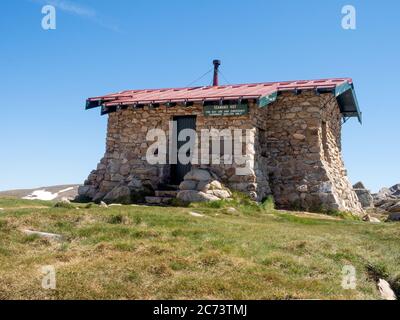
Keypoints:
pixel 359 113
pixel 342 88
pixel 268 99
pixel 345 87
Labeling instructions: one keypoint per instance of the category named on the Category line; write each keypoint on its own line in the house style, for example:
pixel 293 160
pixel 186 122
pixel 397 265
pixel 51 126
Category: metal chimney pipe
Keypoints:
pixel 216 63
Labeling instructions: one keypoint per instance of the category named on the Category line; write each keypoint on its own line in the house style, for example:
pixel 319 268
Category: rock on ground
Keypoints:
pixel 51 236
pixel 368 218
pixel 195 196
pixel 384 193
pixel 364 195
pixel 65 200
pixel 195 214
pixel 359 185
pixel 188 185
pixel 385 290
pixel 387 201
pixel 200 185
pixel 395 190
pixel 198 175
pixel 395 208
pixel 389 206
pixel 394 216
pixel 103 204
pixel 222 194
pixel 374 220
pixel 120 194
pixel 231 209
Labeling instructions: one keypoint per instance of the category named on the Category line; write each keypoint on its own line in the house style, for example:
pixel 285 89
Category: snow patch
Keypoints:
pixel 41 195
pixel 65 190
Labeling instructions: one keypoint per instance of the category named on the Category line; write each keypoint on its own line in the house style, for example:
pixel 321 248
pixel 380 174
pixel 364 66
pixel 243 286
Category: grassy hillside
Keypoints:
pixel 139 252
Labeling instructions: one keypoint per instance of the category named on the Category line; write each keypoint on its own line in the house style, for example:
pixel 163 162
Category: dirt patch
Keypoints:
pixel 303 214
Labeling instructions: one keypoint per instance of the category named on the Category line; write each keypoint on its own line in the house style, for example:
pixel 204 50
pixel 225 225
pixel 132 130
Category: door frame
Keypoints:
pixel 177 171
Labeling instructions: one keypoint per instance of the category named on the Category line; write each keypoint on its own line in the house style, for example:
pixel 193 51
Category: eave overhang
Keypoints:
pixel 347 101
pixel 263 93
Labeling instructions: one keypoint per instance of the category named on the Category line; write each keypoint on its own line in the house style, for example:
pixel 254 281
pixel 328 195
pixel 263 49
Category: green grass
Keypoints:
pixel 139 252
pixel 13 203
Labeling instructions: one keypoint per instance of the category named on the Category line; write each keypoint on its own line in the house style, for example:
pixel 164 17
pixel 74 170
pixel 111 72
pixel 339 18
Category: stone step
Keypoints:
pixel 166 193
pixel 158 200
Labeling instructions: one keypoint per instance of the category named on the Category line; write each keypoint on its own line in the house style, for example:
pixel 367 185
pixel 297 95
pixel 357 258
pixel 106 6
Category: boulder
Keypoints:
pixel 381 197
pixel 120 194
pixel 198 175
pixel 383 193
pixel 364 195
pixel 374 220
pixel 365 198
pixel 385 290
pixel 84 190
pixel 222 194
pixel 215 184
pixel 65 200
pixel 395 208
pixel 103 204
pixel 392 193
pixel 386 204
pixel 395 190
pixel 50 236
pixel 200 185
pixel 195 214
pixel 253 195
pixel 368 218
pixel 135 183
pixel 98 196
pixel 231 210
pixel 359 185
pixel 85 193
pixel 188 185
pixel 203 186
pixel 387 200
pixel 394 216
pixel 195 196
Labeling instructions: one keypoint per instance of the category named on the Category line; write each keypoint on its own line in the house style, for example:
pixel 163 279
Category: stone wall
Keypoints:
pixel 295 153
pixel 125 164
pixel 301 135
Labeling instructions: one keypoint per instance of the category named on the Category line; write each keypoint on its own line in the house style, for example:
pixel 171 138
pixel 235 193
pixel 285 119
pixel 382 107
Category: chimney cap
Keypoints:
pixel 216 61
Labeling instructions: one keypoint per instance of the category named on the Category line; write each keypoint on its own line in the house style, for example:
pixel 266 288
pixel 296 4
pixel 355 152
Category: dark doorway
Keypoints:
pixel 179 170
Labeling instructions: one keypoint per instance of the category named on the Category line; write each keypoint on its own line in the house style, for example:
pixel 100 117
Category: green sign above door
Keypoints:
pixel 226 110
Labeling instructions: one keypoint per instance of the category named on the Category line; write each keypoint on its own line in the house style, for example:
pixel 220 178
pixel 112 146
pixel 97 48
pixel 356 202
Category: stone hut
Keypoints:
pixel 289 135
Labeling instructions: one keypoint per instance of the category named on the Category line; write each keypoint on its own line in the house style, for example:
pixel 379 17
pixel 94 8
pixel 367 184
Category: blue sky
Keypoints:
pixel 104 46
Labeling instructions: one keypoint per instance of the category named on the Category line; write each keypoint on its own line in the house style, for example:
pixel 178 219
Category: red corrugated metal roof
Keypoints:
pixel 227 92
